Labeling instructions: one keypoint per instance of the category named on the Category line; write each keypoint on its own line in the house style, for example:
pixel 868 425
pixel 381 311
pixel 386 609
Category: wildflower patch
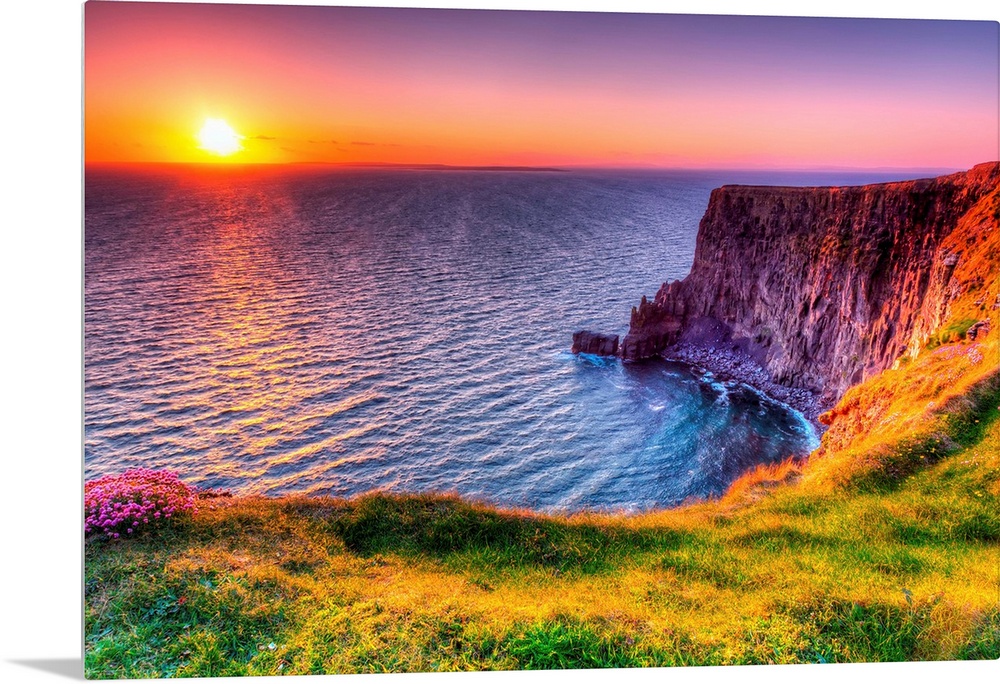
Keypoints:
pixel 135 500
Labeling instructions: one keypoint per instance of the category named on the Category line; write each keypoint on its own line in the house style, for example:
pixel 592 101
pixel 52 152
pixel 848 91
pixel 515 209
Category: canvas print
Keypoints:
pixel 424 340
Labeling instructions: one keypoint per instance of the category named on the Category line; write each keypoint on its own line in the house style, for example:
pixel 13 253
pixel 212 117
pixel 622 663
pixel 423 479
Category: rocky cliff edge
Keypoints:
pixel 823 287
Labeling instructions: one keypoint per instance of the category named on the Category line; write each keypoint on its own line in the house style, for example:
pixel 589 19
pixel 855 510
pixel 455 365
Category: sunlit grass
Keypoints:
pixel 884 546
pixel 765 586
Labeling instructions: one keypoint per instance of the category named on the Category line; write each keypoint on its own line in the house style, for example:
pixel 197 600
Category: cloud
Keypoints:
pixel 262 137
pixel 322 142
pixel 365 144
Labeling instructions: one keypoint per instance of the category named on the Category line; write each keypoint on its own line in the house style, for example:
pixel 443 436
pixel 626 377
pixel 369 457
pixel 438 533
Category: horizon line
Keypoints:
pixel 562 168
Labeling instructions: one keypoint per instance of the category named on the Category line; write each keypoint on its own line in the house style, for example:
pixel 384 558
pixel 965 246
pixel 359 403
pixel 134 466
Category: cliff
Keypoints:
pixel 825 287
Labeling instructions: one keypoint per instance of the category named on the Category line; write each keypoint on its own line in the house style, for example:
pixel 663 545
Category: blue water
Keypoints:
pixel 332 331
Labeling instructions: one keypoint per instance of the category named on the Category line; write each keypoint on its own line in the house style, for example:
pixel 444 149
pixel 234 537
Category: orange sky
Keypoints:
pixel 306 84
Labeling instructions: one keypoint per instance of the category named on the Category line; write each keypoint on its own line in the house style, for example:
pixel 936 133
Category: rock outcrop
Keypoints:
pixel 824 287
pixel 586 342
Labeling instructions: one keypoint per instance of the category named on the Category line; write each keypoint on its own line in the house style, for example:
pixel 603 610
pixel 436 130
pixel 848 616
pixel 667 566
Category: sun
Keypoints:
pixel 219 138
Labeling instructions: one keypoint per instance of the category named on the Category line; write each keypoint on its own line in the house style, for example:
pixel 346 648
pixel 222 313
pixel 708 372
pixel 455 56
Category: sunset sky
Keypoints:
pixel 319 84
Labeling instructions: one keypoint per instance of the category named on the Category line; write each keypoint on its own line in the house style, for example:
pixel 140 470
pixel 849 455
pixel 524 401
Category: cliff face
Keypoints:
pixel 824 287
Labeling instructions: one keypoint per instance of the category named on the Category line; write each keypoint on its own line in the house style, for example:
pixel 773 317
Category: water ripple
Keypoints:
pixel 336 332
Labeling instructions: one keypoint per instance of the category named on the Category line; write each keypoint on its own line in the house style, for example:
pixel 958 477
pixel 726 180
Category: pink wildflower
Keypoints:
pixel 121 502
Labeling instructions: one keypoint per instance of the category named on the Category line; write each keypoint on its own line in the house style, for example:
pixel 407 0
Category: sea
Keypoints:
pixel 334 331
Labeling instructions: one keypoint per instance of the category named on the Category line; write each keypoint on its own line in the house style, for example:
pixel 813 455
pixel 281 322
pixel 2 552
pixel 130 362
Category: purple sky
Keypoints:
pixel 463 86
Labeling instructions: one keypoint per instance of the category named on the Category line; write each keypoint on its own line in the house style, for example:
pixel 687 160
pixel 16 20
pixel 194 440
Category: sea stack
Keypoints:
pixel 586 342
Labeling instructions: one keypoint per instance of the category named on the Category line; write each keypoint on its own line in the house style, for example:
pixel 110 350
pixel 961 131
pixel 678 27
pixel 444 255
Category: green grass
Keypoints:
pixel 984 643
pixel 953 332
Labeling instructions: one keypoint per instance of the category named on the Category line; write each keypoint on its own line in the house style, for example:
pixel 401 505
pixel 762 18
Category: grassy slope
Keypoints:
pixel 885 546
